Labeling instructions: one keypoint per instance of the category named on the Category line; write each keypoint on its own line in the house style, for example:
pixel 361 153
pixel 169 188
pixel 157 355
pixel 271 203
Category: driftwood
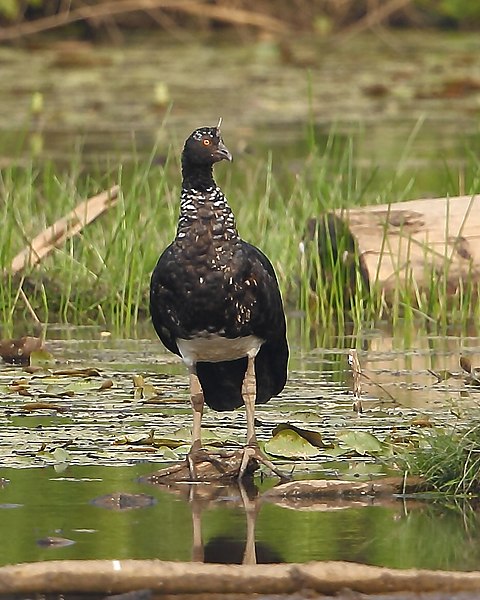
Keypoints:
pixel 216 466
pixel 105 10
pixel 119 576
pixel 373 18
pixel 66 227
pixel 418 245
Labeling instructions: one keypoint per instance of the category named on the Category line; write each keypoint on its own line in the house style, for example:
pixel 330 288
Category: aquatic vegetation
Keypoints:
pixel 102 274
pixel 449 461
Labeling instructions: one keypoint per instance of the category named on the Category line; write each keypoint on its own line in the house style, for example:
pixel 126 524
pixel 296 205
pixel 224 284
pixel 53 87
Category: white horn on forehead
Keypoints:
pixel 219 122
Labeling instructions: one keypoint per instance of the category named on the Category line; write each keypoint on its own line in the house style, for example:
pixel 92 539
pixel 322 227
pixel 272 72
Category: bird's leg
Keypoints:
pixel 249 393
pixel 197 402
pixel 251 511
pixel 195 502
pixel 196 452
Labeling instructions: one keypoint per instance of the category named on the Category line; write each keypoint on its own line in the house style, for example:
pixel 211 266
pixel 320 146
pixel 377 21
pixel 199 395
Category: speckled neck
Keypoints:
pixel 207 209
pixel 203 206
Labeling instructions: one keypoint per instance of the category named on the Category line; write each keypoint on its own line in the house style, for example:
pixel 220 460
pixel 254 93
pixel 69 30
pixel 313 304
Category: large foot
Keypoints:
pixel 199 456
pixel 253 452
pixel 219 465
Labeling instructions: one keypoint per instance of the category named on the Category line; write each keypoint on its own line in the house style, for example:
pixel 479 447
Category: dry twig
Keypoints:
pixel 118 7
pixel 374 17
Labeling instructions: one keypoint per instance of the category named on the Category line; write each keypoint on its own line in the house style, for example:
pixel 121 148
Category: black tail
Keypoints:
pixel 222 381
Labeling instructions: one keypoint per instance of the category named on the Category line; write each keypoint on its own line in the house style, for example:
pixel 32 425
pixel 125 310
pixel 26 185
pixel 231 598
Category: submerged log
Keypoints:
pixel 416 246
pixel 209 466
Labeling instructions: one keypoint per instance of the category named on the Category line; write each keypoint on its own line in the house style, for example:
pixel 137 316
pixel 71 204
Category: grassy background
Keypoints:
pixel 102 275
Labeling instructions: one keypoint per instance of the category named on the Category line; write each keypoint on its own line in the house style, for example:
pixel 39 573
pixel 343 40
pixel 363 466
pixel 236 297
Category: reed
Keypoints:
pixel 449 461
pixel 103 274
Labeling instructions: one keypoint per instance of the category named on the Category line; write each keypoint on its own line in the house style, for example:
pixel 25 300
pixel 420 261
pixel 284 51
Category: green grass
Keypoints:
pixel 448 461
pixel 102 275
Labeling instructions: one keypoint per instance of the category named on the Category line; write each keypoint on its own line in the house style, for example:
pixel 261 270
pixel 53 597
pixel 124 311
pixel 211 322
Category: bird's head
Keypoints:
pixel 205 146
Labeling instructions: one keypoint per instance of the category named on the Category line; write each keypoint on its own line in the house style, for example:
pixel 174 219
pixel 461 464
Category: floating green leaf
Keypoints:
pixel 307 416
pixel 168 453
pixel 288 443
pixel 361 442
pixel 314 437
pixel 41 358
pixel 61 455
pixel 141 389
pixel 81 385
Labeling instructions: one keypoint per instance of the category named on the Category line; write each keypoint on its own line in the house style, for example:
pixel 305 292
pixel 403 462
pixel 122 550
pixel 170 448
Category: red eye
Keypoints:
pixel 206 142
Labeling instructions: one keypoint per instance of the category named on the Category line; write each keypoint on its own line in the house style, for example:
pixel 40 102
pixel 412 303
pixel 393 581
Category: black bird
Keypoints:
pixel 215 301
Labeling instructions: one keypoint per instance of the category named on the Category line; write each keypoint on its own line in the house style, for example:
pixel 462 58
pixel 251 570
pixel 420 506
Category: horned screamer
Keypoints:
pixel 215 301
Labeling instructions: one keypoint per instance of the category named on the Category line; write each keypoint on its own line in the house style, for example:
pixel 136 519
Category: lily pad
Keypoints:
pixel 361 442
pixel 307 416
pixel 143 390
pixel 168 453
pixel 287 443
pixel 314 437
pixel 208 436
pixel 41 358
pixel 61 455
pixel 81 385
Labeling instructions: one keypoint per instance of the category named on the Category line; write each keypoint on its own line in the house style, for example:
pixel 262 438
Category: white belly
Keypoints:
pixel 215 348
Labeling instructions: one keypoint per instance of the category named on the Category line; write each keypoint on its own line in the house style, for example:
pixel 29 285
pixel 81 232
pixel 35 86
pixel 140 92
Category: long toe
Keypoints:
pixel 204 465
pixel 253 455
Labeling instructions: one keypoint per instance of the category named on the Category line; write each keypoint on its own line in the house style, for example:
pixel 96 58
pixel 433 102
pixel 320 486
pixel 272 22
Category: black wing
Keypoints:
pixel 222 381
pixel 161 298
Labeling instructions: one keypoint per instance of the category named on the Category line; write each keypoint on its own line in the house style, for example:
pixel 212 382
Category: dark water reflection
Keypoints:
pixel 40 502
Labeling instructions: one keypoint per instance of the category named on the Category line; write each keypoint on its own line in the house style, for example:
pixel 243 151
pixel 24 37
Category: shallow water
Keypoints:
pixel 97 433
pixel 41 503
pixel 107 416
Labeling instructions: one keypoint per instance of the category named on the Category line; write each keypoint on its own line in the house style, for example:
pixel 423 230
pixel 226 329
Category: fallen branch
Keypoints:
pixel 117 576
pixel 417 246
pixel 373 18
pixel 119 7
pixel 64 228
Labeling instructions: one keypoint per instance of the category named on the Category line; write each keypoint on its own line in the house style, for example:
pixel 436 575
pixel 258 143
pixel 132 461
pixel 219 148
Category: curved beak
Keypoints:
pixel 222 152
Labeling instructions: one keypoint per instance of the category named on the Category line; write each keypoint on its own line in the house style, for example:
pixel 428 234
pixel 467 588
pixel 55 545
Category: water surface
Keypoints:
pixel 51 496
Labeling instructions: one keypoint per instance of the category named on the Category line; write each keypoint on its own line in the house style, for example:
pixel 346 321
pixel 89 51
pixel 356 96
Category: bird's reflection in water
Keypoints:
pixel 225 548
pixel 232 551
